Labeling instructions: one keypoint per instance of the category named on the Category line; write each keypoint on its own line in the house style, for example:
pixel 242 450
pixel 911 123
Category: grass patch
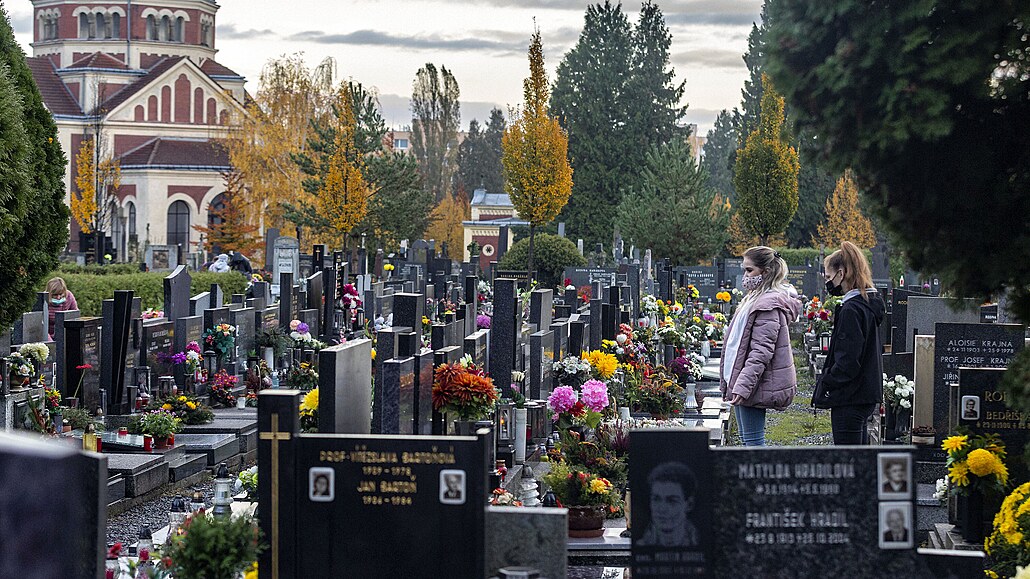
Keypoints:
pixel 795 426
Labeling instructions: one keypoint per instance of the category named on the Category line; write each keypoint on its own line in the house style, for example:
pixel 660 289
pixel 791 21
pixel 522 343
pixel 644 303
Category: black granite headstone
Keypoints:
pixel 579 338
pixel 596 323
pixel 503 330
pixel 117 321
pixel 477 345
pixel 286 302
pixel 59 338
pixel 396 397
pixel 541 302
pixel 982 409
pixel 989 314
pixel 408 309
pixel 216 297
pixel 82 342
pixel 158 348
pixel 541 364
pixel 423 367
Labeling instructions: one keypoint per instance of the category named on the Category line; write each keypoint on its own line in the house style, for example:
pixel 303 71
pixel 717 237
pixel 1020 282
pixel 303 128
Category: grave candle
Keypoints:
pixel 222 500
pixel 146 541
pixel 197 504
pixel 177 515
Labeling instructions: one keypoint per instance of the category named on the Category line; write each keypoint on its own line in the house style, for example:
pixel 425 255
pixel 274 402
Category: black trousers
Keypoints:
pixel 849 423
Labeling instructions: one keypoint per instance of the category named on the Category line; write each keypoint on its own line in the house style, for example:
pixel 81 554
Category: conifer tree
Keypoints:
pixel 719 152
pixel 844 219
pixel 537 175
pixel 766 173
pixel 33 214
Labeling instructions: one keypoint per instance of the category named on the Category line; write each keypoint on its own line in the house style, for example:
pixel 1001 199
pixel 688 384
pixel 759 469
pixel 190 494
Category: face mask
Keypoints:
pixel 751 283
pixel 834 289
pixel 57 302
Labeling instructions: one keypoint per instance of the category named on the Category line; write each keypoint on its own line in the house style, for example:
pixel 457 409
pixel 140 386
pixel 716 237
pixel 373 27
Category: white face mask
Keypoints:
pixel 751 283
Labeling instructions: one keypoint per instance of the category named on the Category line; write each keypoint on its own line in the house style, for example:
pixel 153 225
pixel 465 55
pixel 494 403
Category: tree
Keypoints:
pixel 276 127
pixel 229 229
pixel 719 153
pixel 33 214
pixel 815 184
pixel 97 179
pixel 445 222
pixel 479 156
pixel 400 208
pixel 676 213
pixel 844 219
pixel 343 198
pixel 947 74
pixel 766 173
pixel 436 112
pixel 656 113
pixel 554 254
pixel 537 175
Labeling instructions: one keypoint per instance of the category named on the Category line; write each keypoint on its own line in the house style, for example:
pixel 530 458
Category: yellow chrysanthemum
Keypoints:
pixel 191 405
pixel 425 321
pixel 182 399
pixel 373 353
pixel 955 443
pixel 166 406
pixel 981 462
pixel 598 486
pixel 604 364
pixel 959 474
pixel 252 573
pixel 310 401
pixel 991 574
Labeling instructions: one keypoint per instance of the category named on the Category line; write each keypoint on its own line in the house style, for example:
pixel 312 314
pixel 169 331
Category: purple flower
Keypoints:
pixel 303 328
pixel 483 321
pixel 562 399
pixel 709 317
pixel 595 395
pixel 179 358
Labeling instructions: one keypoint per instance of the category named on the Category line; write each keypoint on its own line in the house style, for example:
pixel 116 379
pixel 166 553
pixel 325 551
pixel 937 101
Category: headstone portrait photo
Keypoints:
pixel 452 487
pixel 896 525
pixel 970 408
pixel 321 484
pixel 895 476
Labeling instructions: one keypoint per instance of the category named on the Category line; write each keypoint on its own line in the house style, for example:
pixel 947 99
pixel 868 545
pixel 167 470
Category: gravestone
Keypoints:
pixel 588 276
pixel 161 257
pixel 31 327
pixel 925 311
pixel 981 408
pixel 395 397
pixel 117 323
pixel 47 485
pixel 245 322
pixel 345 388
pixel 408 309
pixel 805 279
pixel 713 512
pixel 423 367
pixel 158 346
pixel 579 337
pixel 271 234
pixel 541 364
pixel 216 298
pixel 477 345
pixel 386 349
pixel 177 294
pixel 315 295
pixel 368 494
pixel 967 346
pixel 704 278
pixel 596 323
pixel 82 347
pixel 329 330
pixel 540 303
pixel 503 330
pixel 59 338
pixel 899 319
pixel 989 314
pixel 560 331
pixel 287 309
pixel 287 260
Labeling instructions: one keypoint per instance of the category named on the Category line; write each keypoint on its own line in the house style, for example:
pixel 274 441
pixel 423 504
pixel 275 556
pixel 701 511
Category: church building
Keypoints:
pixel 143 75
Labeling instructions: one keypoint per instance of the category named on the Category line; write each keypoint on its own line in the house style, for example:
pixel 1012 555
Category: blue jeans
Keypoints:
pixel 751 425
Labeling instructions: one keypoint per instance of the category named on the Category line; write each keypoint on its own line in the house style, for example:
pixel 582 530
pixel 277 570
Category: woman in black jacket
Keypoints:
pixel 851 385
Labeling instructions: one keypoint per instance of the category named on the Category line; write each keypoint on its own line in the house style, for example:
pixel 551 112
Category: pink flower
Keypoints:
pixel 193 347
pixel 595 395
pixel 562 399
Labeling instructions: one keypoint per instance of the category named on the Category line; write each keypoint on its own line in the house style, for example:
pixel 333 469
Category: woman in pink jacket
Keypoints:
pixel 757 366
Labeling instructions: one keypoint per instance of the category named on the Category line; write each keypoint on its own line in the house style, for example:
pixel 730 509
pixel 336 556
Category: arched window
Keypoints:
pixel 101 26
pixel 166 28
pixel 84 25
pixel 179 225
pixel 180 29
pixel 117 231
pixel 116 26
pixel 217 204
pixel 204 28
pixel 132 219
pixel 151 27
pixel 51 23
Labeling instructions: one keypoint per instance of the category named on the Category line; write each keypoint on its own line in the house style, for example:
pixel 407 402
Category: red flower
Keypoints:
pixel 579 409
pixel 568 282
pixel 115 551
pixel 811 315
pixel 824 315
pixel 84 367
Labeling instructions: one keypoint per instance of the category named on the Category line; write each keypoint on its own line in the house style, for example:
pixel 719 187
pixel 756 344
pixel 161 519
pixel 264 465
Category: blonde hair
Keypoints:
pixel 56 286
pixel 850 259
pixel 774 268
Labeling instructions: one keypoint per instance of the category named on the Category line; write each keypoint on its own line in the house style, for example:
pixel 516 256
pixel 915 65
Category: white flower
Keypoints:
pixel 904 402
pixel 570 287
pixel 619 351
pixel 621 339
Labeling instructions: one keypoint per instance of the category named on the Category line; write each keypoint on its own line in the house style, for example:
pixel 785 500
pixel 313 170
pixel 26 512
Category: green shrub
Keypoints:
pixel 214 547
pixel 551 255
pixel 91 290
pixel 66 268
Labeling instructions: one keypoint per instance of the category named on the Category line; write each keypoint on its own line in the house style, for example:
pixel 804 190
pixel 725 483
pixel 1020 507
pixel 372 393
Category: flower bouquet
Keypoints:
pixel 686 368
pixel 576 488
pixel 221 338
pixel 247 481
pixel 818 316
pixel 302 376
pixel 349 296
pixel 724 297
pixel 157 423
pixel 976 464
pixel 658 394
pixel 898 391
pixel 52 397
pixel 185 407
pixel 572 371
pixel 152 314
pixel 602 364
pixel 221 389
pixel 309 411
pixel 502 498
pixel 464 390
pixel 36 352
pixel 569 408
pixel 20 368
pixel 1008 547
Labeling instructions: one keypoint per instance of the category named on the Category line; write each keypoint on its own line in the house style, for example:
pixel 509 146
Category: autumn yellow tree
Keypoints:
pixel 275 128
pixel 844 219
pixel 537 174
pixel 229 229
pixel 445 221
pixel 343 199
pixel 97 179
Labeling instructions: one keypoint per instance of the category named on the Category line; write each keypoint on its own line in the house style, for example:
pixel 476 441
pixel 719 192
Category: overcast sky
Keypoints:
pixel 383 43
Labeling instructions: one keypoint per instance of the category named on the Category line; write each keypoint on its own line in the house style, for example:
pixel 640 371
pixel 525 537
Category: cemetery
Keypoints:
pixel 266 333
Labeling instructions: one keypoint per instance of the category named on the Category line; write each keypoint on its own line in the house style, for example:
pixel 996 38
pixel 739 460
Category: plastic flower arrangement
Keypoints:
pixel 603 364
pixel 976 464
pixel 483 322
pixel 19 364
pixel 157 423
pixel 302 376
pixel 502 498
pixel 724 297
pixel 671 336
pixel 898 391
pixel 572 371
pixel 309 411
pixel 221 389
pixel 1008 547
pixel 191 357
pixel 52 398
pixel 686 368
pixel 569 407
pixel 349 296
pixel 657 394
pixel 576 488
pixel 37 352
pixel 247 481
pixel 151 314
pixel 185 407
pixel 221 338
pixel 818 316
pixel 649 306
pixel 463 389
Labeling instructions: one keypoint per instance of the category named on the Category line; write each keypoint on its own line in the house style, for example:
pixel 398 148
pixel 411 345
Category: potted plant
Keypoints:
pixel 309 411
pixel 247 481
pixel 897 393
pixel 464 391
pixel 658 395
pixel 977 471
pixel 214 547
pixel 272 343
pixel 1007 546
pixel 924 434
pixel 20 369
pixel 222 387
pixel 160 424
pixel 185 407
pixel 302 376
pixel 588 497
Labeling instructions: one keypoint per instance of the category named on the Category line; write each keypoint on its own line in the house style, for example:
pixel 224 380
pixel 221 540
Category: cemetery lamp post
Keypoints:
pixel 222 500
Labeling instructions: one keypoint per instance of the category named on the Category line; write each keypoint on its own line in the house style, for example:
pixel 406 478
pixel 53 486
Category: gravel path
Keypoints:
pixel 126 526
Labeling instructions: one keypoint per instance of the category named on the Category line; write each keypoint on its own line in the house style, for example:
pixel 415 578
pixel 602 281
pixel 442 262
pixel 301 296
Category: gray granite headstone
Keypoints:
pixel 287 258
pixel 177 293
pixel 541 363
pixel 925 311
pixel 408 309
pixel 345 388
pixel 540 303
pixel 199 303
pixel 33 328
pixel 529 537
pixel 395 397
pixel 477 345
pixel 503 330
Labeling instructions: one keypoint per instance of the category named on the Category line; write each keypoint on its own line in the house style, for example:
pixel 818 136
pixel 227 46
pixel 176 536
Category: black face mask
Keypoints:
pixel 833 289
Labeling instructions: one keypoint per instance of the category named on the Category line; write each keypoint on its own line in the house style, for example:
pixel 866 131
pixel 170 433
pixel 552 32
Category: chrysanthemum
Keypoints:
pixel 981 462
pixel 955 443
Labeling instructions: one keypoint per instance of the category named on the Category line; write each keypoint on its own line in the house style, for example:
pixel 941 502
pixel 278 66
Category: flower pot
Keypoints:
pixel 160 442
pixel 975 516
pixel 520 435
pixel 586 522
pixel 465 427
pixel 19 382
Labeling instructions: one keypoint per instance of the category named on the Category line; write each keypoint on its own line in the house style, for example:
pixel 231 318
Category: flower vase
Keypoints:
pixel 241 402
pixel 975 518
pixel 586 522
pixel 902 420
pixel 690 396
pixel 465 427
pixel 58 421
pixel 520 435
pixel 706 349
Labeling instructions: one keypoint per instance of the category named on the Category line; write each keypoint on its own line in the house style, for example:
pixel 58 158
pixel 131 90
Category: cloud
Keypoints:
pixel 21 22
pixel 229 30
pixel 414 42
pixel 709 58
pixel 397 110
